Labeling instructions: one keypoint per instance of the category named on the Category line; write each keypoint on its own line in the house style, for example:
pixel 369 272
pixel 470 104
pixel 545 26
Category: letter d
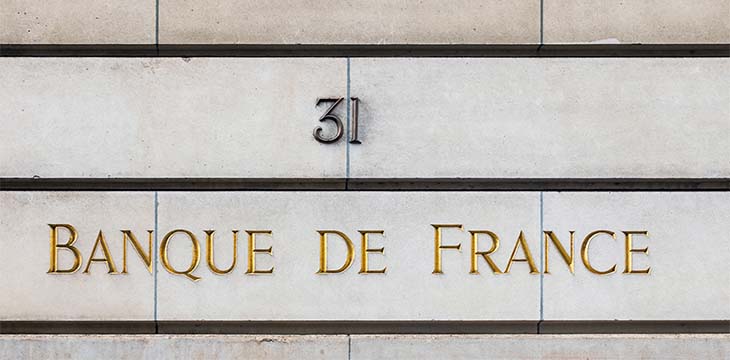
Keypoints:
pixel 323 252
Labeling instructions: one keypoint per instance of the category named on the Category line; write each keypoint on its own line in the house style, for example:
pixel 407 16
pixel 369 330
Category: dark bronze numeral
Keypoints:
pixel 354 105
pixel 329 116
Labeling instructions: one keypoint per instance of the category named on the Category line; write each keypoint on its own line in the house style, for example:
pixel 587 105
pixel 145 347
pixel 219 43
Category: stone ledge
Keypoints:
pixel 363 327
pixel 648 346
pixel 365 184
pixel 367 50
pixel 172 347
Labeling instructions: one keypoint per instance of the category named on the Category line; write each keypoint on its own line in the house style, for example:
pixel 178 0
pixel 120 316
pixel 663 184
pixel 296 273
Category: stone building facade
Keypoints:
pixel 365 180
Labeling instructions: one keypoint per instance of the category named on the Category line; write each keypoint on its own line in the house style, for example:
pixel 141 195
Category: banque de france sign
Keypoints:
pixel 372 255
pixel 520 251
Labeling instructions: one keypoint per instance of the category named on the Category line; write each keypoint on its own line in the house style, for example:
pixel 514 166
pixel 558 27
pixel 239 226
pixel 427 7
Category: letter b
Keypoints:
pixel 68 245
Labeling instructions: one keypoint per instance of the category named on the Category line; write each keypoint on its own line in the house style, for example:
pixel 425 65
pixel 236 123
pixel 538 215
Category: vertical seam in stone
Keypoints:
pixel 347 143
pixel 157 203
pixel 542 257
pixel 542 27
pixel 349 346
pixel 157 26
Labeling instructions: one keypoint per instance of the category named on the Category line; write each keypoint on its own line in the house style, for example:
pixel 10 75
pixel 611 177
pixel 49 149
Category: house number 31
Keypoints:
pixel 329 116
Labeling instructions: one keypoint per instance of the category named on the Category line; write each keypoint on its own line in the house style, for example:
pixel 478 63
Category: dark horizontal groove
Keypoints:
pixel 374 184
pixel 70 50
pixel 362 327
pixel 465 184
pixel 348 327
pixel 77 327
pixel 172 184
pixel 634 327
pixel 395 50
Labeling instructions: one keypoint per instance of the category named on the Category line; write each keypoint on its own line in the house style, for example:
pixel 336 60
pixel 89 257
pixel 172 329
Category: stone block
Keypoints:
pixel 168 117
pixel 173 347
pixel 30 293
pixel 637 22
pixel 55 22
pixel 350 22
pixel 541 118
pixel 654 346
pixel 688 252
pixel 295 291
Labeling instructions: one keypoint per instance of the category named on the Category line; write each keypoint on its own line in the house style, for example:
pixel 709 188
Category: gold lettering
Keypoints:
pixel 107 259
pixel 569 259
pixel 528 256
pixel 323 252
pixel 194 261
pixel 365 250
pixel 55 246
pixel 128 236
pixel 438 247
pixel 210 257
pixel 484 254
pixel 630 249
pixel 584 252
pixel 252 251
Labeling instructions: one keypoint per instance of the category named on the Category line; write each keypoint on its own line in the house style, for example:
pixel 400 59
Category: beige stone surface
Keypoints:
pixel 135 347
pixel 654 346
pixel 637 21
pixel 407 291
pixel 419 117
pixel 168 117
pixel 77 22
pixel 688 252
pixel 30 293
pixel 630 346
pixel 350 22
pixel 542 118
